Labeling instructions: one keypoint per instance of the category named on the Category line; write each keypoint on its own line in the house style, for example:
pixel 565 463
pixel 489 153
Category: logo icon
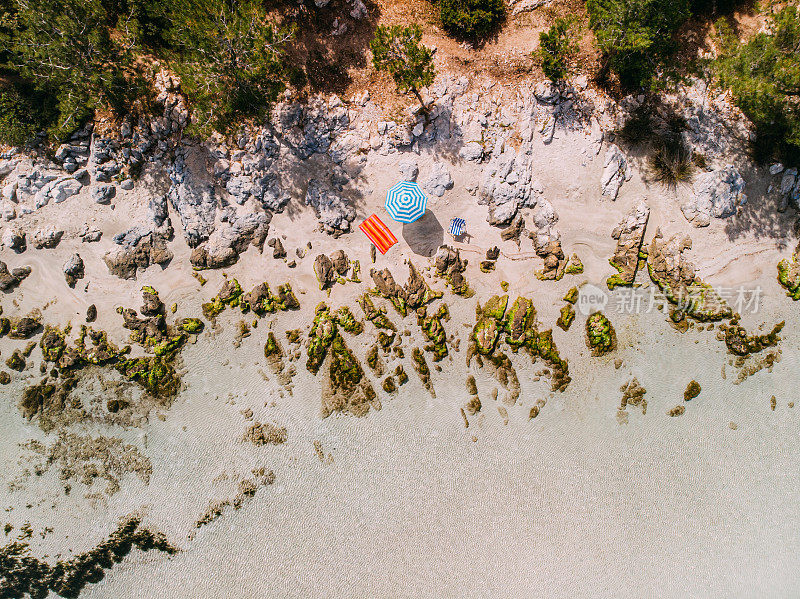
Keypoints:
pixel 591 299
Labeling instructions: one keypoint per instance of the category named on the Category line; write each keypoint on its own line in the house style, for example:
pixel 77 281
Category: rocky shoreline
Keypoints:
pixel 299 185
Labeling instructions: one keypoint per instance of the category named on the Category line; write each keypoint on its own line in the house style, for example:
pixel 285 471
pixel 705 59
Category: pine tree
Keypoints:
pixel 399 51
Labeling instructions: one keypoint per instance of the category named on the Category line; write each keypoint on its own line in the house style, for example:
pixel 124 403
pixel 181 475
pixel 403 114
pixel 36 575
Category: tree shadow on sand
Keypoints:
pixel 330 42
pixel 760 216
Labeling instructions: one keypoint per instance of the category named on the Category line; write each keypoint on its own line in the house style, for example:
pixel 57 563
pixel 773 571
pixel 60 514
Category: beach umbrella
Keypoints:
pixel 378 233
pixel 405 202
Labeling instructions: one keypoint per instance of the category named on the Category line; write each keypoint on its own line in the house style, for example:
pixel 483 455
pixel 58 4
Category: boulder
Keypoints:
pixel 324 270
pixel 717 194
pixel 124 260
pixel 340 262
pixel 629 235
pixel 58 191
pixel 334 212
pixel 472 152
pixel 438 181
pixel 9 280
pixel 408 170
pixel 47 238
pixel 102 194
pixel 14 239
pixel 73 269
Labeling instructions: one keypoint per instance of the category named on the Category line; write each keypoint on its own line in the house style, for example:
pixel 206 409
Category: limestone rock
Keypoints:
pixel 717 194
pixel 9 280
pixel 438 181
pixel 616 171
pixel 629 235
pixel 47 238
pixel 73 269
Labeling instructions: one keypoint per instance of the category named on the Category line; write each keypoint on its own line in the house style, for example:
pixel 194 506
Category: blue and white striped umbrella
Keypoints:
pixel 405 202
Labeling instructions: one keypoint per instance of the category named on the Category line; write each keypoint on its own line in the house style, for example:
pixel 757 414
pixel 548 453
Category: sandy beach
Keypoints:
pixel 422 495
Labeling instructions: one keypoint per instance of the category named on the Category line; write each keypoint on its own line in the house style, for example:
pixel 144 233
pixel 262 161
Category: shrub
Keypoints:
pixel 671 162
pixel 471 19
pixel 763 75
pixel 556 48
pixel 16 126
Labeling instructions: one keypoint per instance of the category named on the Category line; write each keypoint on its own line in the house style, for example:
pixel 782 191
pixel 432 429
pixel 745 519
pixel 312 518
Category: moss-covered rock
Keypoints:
pixel 5 378
pixel 433 329
pixel 789 276
pixel 53 344
pixel 567 316
pixel 519 323
pixel 348 322
pixel 600 335
pixel 400 373
pixel 376 316
pixel 571 295
pixel 421 366
pixel 389 385
pixel 192 326
pixel 154 373
pixel 272 348
pixel 16 361
pixel 323 331
pixel 170 346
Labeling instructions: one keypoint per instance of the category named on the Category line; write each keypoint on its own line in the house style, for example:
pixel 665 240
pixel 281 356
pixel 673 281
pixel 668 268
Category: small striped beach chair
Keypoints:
pixel 378 233
pixel 457 227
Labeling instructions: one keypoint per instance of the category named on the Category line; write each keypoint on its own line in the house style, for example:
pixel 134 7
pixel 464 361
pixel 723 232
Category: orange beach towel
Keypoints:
pixel 378 233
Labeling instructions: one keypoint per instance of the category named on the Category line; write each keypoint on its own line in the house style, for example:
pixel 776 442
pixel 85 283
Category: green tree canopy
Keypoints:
pixel 635 36
pixel 399 51
pixel 230 57
pixel 63 49
pixel 763 75
pixel 557 46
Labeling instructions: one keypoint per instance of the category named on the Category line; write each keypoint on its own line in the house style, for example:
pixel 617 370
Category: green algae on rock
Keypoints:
pixel 53 343
pixel 600 335
pixel 567 316
pixel 348 322
pixel 789 275
pixel 271 347
pixel 376 316
pixel 421 366
pixel 349 391
pixel 434 331
pixel 572 295
pixel 193 326
pixel 414 294
pixel 16 361
pixel 450 266
pixel 676 277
